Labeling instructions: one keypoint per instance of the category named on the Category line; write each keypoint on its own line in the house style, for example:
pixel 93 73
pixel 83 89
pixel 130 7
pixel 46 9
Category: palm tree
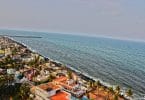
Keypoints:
pixel 92 84
pixel 69 73
pixel 89 84
pixel 117 90
pixel 24 91
pixel 63 66
pixel 9 62
pixel 129 93
pixel 98 84
pixel 35 61
pixel 115 97
pixel 3 80
pixel 2 64
pixel 109 91
pixel 50 78
pixel 14 51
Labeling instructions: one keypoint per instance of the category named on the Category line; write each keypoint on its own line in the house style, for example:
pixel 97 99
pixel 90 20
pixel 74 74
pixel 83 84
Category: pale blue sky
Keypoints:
pixel 114 18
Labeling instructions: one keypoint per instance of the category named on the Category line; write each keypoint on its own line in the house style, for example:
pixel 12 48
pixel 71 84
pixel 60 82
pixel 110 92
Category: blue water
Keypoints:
pixel 115 62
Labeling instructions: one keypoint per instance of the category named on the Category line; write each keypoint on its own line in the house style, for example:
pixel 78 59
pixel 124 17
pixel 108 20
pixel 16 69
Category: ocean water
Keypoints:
pixel 114 62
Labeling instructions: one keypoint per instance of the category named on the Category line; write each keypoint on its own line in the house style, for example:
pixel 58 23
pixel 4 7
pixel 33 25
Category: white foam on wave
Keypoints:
pixel 72 68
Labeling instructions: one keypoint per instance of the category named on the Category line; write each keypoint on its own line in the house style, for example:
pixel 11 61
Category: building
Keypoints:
pixel 50 91
pixel 11 71
pixel 71 85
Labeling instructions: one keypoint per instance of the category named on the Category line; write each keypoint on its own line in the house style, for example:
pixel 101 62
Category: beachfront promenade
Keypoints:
pixel 50 80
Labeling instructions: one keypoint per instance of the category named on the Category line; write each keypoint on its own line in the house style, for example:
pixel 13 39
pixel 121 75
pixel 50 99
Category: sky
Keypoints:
pixel 110 18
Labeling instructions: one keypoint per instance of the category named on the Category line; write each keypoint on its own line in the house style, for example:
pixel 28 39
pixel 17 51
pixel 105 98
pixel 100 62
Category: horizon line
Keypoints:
pixel 74 34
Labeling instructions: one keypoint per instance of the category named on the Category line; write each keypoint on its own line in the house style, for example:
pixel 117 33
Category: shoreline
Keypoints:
pixel 67 66
pixel 83 75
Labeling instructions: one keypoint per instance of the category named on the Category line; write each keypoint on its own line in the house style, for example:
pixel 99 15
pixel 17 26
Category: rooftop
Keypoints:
pixel 49 86
pixel 2 51
pixel 61 79
pixel 96 97
pixel 61 96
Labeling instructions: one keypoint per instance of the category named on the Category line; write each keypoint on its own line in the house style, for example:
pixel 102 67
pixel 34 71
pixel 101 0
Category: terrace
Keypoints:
pixel 71 86
pixel 50 91
pixel 40 70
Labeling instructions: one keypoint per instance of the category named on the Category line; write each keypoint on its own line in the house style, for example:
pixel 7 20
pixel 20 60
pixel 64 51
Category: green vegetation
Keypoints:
pixel 8 88
pixel 24 91
pixel 117 89
pixel 8 62
pixel 5 79
pixel 36 62
pixel 129 93
pixel 115 97
pixel 98 84
pixel 69 73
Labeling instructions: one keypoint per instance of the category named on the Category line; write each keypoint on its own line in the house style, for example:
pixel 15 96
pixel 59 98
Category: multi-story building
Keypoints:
pixel 50 91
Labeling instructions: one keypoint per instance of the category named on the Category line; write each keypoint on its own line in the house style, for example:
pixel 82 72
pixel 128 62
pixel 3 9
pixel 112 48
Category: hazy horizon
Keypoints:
pixel 122 19
pixel 85 35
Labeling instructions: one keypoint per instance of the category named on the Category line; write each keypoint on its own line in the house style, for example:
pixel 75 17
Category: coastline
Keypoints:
pixel 84 76
pixel 67 66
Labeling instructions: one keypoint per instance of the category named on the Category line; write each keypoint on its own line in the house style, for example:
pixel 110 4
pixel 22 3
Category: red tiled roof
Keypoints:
pixel 61 79
pixel 49 85
pixel 60 96
pixel 96 97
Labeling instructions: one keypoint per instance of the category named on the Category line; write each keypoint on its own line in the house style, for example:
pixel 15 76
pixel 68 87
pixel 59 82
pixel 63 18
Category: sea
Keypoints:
pixel 113 62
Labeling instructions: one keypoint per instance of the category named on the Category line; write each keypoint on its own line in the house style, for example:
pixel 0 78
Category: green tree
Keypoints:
pixel 129 93
pixel 2 80
pixel 117 89
pixel 115 97
pixel 69 73
pixel 110 91
pixel 35 63
pixel 24 91
pixel 98 84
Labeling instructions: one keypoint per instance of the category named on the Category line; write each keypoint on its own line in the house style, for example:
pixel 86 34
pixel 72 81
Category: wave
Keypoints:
pixel 116 66
pixel 72 68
